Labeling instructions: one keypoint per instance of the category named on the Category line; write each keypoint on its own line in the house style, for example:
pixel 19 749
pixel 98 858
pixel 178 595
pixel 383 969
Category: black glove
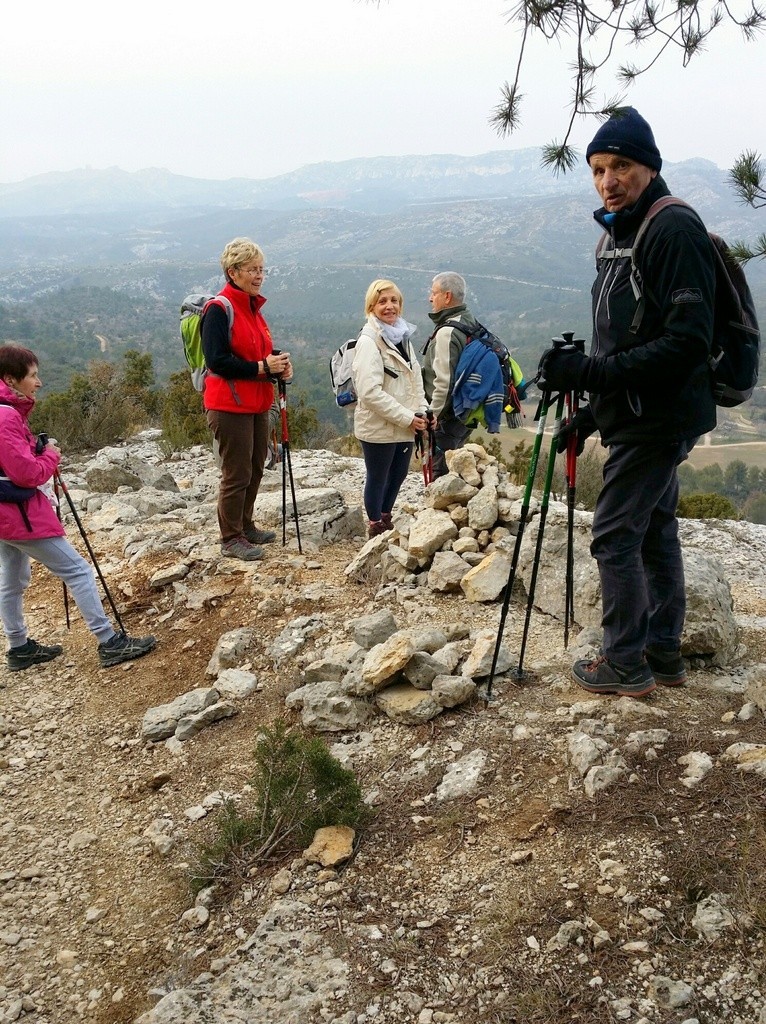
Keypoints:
pixel 582 424
pixel 563 370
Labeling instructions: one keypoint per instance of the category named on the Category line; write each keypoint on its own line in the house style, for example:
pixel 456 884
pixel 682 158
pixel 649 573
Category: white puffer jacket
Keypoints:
pixel 390 392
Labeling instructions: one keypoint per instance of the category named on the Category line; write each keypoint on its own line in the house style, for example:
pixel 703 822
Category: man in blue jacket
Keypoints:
pixel 650 398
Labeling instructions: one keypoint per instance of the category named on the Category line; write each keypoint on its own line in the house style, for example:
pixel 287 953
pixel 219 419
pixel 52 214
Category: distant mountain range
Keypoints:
pixel 523 238
pixel 371 184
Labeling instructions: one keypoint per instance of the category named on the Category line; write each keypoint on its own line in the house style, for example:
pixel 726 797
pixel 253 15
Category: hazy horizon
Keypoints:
pixel 168 86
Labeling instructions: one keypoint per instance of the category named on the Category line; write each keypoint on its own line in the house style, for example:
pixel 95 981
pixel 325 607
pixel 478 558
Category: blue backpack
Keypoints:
pixel 488 381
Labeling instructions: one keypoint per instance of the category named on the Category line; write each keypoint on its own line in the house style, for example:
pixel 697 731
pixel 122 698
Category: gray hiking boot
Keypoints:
pixel 241 548
pixel 255 536
pixel 667 667
pixel 603 676
pixel 31 653
pixel 124 648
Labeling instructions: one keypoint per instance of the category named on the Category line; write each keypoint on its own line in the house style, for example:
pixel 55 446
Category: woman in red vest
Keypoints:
pixel 238 393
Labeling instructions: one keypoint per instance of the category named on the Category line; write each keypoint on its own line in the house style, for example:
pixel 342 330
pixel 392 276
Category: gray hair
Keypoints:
pixel 451 282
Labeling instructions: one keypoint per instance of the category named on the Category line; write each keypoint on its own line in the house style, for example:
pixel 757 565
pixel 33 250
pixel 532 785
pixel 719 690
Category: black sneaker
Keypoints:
pixel 124 648
pixel 31 653
pixel 668 667
pixel 256 536
pixel 603 676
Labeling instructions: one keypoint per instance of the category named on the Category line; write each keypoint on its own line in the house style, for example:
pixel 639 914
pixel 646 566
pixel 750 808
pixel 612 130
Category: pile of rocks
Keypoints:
pixel 411 674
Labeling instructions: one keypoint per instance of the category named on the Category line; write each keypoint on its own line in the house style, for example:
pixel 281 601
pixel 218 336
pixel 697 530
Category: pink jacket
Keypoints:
pixel 20 464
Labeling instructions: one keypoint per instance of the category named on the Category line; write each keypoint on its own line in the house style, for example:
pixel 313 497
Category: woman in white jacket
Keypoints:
pixel 390 400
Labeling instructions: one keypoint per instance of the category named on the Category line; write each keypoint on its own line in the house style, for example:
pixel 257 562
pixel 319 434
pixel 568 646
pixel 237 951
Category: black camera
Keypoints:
pixel 42 440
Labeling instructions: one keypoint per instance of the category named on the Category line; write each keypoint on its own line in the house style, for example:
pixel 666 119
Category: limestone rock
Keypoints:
pixel 232 649
pixel 236 683
pixel 670 994
pixel 385 661
pixel 462 461
pixel 486 581
pixel 748 757
pixel 482 509
pixel 160 722
pixel 421 670
pixel 190 725
pixel 449 691
pixel 448 490
pixel 404 704
pixel 446 572
pixel 712 917
pixel 331 845
pixel 171 574
pixel 369 630
pixel 327 707
pixel 462 777
pixel 429 532
pixel 478 664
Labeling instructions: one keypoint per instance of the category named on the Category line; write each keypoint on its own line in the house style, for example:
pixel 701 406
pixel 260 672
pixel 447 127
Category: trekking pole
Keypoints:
pixel 63 584
pixel 431 445
pixel 541 416
pixel 287 468
pixel 91 552
pixel 420 454
pixel 540 529
pixel 573 405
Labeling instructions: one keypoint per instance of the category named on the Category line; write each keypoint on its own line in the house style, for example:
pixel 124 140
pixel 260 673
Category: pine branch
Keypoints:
pixel 652 25
pixel 746 178
pixel 560 157
pixel 742 253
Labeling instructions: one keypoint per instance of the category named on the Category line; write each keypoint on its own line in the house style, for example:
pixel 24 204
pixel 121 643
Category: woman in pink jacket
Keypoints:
pixel 30 528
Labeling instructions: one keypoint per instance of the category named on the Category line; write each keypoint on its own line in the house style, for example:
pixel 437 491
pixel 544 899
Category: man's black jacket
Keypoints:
pixel 653 385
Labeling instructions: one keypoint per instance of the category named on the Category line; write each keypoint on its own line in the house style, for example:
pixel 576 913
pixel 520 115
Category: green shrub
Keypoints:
pixel 706 506
pixel 298 787
pixel 95 410
pixel 183 419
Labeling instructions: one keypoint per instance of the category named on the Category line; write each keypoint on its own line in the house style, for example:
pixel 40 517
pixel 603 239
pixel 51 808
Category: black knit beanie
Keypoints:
pixel 627 134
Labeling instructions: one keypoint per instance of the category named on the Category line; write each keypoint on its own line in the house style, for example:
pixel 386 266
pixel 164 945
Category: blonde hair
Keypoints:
pixel 376 289
pixel 238 252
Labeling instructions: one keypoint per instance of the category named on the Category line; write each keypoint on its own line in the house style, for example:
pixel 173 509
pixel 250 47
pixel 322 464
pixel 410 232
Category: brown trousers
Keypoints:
pixel 242 440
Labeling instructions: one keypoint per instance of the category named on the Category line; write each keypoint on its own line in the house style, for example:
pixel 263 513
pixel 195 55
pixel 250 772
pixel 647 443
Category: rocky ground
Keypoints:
pixel 535 896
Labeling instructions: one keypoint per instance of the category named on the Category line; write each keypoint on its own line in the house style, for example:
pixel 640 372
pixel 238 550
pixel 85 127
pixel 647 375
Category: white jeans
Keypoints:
pixel 58 555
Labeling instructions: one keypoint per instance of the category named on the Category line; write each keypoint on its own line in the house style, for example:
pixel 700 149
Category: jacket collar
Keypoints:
pixel 242 299
pixel 447 314
pixel 10 397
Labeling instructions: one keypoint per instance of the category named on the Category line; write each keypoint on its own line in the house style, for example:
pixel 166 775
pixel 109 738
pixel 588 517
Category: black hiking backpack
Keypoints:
pixel 736 350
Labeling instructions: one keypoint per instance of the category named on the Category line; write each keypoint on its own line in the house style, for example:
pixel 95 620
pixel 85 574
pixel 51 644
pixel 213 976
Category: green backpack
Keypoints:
pixel 192 309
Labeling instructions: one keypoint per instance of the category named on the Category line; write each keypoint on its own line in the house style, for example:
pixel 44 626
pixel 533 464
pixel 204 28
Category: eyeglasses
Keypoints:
pixel 254 271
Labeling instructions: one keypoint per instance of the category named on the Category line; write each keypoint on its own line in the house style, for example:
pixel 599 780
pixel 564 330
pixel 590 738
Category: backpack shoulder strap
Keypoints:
pixel 636 280
pixel 225 302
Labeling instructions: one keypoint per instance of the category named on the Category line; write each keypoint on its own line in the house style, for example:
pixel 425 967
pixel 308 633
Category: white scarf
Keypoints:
pixel 395 333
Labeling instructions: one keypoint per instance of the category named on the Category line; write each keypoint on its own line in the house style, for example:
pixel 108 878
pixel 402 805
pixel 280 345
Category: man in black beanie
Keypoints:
pixel 650 397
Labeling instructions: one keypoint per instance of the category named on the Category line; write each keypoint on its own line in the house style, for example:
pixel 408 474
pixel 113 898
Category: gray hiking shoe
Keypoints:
pixel 124 648
pixel 603 676
pixel 255 536
pixel 668 667
pixel 241 548
pixel 31 653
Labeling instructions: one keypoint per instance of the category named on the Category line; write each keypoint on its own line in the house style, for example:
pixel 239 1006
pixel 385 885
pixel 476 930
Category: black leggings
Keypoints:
pixel 387 466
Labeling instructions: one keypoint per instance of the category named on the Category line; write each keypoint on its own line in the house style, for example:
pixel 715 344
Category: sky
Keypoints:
pixel 261 88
